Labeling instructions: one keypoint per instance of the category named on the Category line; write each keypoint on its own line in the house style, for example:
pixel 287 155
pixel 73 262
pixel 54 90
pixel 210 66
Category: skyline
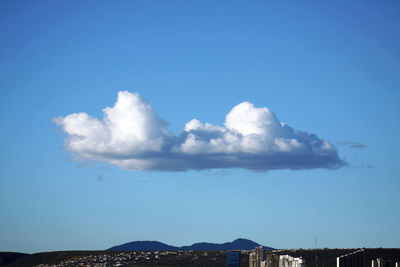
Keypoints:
pixel 328 69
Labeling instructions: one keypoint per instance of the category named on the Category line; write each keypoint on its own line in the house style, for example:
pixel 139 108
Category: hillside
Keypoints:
pixel 8 257
pixel 313 257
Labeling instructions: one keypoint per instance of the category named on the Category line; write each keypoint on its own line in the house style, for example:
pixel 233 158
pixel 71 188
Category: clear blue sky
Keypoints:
pixel 332 69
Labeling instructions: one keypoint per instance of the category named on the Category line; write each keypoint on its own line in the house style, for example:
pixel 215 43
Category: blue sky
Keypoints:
pixel 331 69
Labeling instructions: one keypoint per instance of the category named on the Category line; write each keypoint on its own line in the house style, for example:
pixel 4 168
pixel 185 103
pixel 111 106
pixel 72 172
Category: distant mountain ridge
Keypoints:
pixel 238 244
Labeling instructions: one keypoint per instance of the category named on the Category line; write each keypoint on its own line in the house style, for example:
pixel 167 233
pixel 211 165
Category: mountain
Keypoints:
pixel 144 246
pixel 238 244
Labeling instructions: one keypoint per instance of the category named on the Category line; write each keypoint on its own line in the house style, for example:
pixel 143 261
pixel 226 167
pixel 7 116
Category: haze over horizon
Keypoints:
pixel 186 122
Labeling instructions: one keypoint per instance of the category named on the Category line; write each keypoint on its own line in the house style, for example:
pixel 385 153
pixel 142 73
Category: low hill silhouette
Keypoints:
pixel 144 246
pixel 238 244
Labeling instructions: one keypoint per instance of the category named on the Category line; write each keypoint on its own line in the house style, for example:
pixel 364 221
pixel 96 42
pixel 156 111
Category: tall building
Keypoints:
pixel 253 259
pixel 256 256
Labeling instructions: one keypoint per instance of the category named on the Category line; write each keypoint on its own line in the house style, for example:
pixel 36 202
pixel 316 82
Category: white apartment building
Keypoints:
pixel 289 261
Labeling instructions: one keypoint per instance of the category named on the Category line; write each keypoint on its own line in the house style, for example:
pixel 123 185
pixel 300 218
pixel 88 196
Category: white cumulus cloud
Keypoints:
pixel 132 136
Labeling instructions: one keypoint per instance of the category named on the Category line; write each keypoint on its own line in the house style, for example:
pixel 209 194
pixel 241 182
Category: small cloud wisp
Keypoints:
pixel 351 144
pixel 132 136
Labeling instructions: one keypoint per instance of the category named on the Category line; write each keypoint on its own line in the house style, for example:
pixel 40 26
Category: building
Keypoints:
pixel 252 259
pixel 271 260
pixel 232 259
pixel 354 259
pixel 256 257
pixel 289 261
pixel 384 263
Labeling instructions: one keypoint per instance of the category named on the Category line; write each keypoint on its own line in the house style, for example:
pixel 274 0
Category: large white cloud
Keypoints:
pixel 132 136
